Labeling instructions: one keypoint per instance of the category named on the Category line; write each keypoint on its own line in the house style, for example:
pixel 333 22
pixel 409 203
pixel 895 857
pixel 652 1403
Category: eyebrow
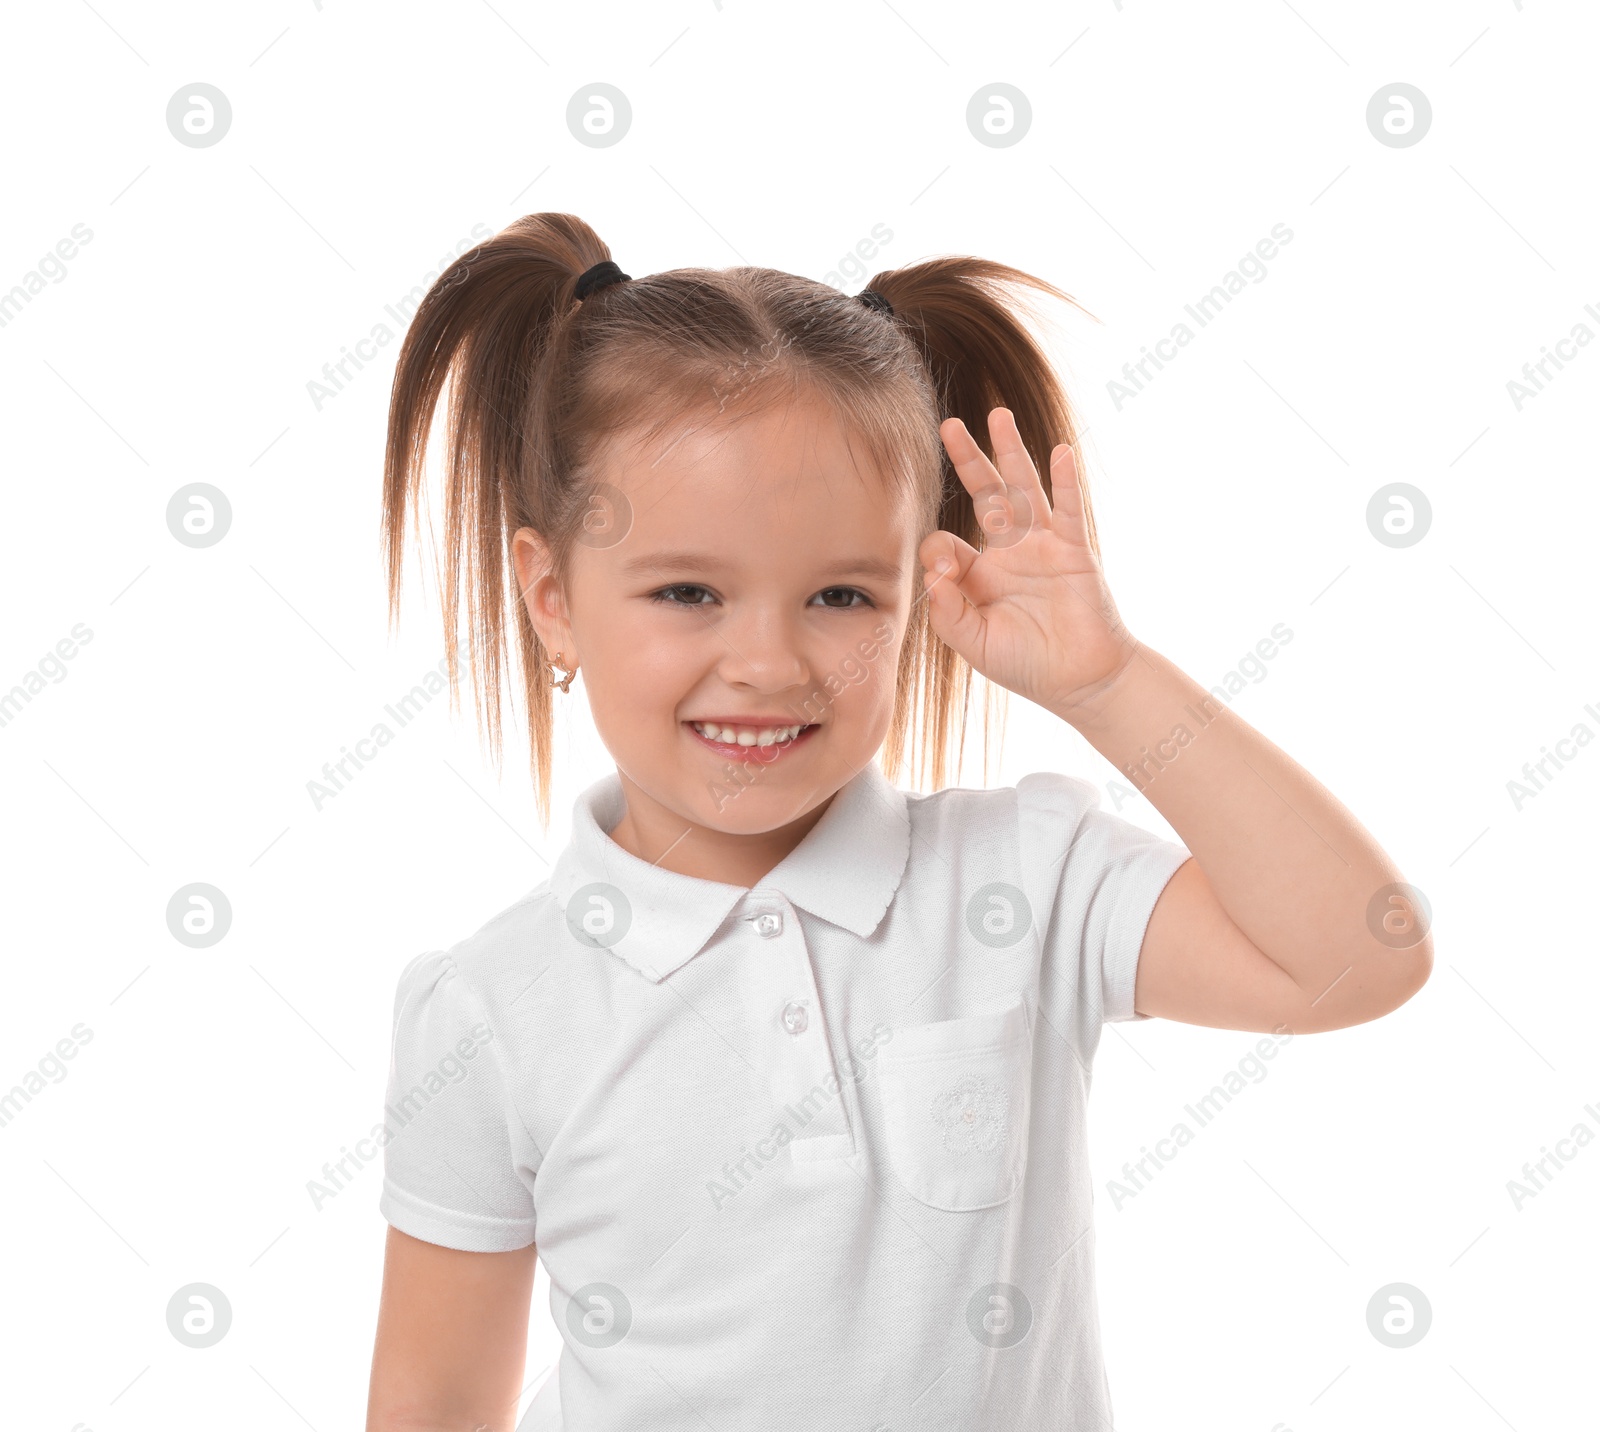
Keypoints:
pixel 706 562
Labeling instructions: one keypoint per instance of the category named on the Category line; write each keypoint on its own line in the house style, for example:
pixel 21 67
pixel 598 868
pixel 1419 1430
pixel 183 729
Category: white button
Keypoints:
pixel 768 925
pixel 795 1018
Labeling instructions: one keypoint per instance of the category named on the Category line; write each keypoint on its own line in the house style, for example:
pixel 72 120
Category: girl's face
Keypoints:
pixel 745 579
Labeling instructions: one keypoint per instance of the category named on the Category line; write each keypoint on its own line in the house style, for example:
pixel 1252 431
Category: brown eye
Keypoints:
pixel 672 596
pixel 847 593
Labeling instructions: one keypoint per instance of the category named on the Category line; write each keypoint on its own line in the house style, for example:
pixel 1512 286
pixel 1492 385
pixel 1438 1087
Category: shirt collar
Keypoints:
pixel 846 871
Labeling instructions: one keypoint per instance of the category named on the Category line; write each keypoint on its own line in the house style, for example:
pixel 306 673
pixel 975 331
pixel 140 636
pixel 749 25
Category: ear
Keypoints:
pixel 542 594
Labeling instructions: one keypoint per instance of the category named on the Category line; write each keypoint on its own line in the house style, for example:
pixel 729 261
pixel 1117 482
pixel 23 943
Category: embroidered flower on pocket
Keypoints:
pixel 972 1112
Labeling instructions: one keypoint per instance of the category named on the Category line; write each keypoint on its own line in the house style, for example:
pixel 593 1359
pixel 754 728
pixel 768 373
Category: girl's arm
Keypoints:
pixel 1287 915
pixel 452 1338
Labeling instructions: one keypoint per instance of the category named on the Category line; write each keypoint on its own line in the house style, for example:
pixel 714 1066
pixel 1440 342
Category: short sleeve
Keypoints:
pixel 452 1173
pixel 1102 876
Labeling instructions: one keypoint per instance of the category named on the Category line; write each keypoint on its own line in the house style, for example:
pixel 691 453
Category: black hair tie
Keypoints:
pixel 873 299
pixel 601 275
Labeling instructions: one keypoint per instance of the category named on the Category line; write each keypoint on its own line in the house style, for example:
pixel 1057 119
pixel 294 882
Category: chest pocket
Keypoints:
pixel 955 1098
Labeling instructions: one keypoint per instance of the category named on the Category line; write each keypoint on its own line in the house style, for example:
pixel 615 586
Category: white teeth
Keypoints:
pixel 745 736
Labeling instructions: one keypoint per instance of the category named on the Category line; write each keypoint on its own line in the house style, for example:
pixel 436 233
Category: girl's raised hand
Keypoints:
pixel 1032 611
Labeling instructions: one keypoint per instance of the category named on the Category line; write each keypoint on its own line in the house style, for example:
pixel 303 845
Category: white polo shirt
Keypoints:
pixel 808 1155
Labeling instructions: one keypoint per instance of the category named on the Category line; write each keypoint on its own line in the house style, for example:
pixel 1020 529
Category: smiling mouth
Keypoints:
pixel 748 736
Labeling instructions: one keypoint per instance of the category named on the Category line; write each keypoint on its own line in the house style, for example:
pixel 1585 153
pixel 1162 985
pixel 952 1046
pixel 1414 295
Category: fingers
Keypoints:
pixel 956 621
pixel 977 473
pixel 1009 500
pixel 948 562
pixel 1016 467
pixel 1070 520
pixel 946 547
pixel 1064 473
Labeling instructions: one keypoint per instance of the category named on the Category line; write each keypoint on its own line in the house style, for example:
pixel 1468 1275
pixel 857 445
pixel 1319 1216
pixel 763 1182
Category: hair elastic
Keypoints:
pixel 600 275
pixel 873 299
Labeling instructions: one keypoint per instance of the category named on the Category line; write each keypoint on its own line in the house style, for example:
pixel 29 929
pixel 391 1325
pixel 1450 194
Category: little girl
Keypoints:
pixel 784 1069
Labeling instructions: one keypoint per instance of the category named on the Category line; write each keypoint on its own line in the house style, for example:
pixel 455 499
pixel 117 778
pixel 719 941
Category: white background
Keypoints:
pixel 1167 139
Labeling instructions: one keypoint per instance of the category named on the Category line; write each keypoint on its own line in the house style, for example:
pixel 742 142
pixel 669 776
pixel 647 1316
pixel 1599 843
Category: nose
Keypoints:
pixel 763 652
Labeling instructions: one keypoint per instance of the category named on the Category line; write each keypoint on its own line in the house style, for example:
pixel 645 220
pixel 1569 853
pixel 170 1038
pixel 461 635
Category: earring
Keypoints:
pixel 565 683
